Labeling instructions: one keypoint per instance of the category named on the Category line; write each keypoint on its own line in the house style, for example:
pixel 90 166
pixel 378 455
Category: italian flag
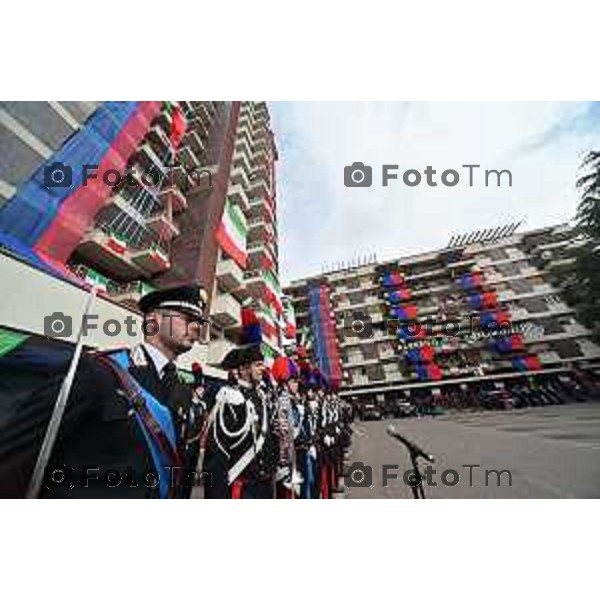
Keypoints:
pixel 231 234
pixel 115 244
pixel 273 291
pixel 98 281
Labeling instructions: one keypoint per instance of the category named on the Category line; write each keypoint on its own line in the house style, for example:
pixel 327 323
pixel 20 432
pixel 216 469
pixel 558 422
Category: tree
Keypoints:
pixel 586 292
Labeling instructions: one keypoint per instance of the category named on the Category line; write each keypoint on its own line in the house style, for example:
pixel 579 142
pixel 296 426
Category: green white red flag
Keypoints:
pixel 232 232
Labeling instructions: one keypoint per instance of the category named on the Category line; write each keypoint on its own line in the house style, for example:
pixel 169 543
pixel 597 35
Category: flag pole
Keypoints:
pixel 59 409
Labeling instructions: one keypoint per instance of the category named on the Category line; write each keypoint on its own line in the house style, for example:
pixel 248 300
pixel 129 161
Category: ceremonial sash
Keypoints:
pixel 153 417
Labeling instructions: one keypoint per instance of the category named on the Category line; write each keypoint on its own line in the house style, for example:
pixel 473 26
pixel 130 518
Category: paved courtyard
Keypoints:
pixel 551 452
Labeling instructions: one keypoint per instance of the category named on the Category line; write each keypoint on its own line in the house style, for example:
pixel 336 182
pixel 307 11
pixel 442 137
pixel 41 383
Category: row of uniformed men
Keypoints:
pixel 134 428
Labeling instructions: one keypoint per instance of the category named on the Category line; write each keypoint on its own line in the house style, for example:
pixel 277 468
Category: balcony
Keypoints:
pixel 258 253
pixel 129 294
pixel 194 141
pixel 589 349
pixel 178 176
pixel 151 161
pixel 186 107
pixel 260 157
pixel 237 194
pixel 359 361
pixel 259 187
pixel 226 311
pixel 164 120
pixel 240 160
pixel 229 275
pixel 254 283
pixel 243 148
pixel 151 260
pixel 99 248
pixel 538 290
pixel 557 263
pixel 200 123
pixel 427 274
pixel 239 176
pixel 188 158
pixel 162 225
pixel 159 140
pixel 174 195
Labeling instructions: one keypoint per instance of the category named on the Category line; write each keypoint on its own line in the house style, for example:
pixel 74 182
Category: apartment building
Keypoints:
pixel 198 209
pixel 488 305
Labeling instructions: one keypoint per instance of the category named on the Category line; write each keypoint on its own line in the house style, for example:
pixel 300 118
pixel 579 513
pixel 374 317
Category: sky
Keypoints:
pixel 323 223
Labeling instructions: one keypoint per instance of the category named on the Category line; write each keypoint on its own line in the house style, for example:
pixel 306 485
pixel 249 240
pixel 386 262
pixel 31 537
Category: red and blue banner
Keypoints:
pixel 428 372
pixel 470 281
pixel 480 301
pixel 407 312
pixel 424 354
pixel 399 295
pixel 392 279
pixel 325 340
pixel 52 220
pixel 527 363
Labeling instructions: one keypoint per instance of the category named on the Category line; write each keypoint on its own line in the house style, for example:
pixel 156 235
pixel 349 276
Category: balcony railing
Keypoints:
pixel 111 255
pixel 229 275
pixel 226 311
pixel 162 225
pixel 129 293
pixel 238 194
pixel 175 196
pixel 152 260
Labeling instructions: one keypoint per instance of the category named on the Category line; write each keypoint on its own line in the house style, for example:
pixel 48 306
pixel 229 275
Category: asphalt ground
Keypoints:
pixel 551 452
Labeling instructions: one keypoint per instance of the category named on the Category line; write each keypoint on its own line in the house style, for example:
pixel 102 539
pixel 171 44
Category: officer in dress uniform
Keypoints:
pixel 126 427
pixel 238 459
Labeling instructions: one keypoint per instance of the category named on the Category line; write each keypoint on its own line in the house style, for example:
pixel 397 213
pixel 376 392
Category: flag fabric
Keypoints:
pixel 28 365
pixel 273 291
pixel 470 281
pixel 251 327
pixel 530 362
pixel 404 313
pixel 397 296
pixel 116 244
pixel 392 279
pixel 178 124
pixel 231 233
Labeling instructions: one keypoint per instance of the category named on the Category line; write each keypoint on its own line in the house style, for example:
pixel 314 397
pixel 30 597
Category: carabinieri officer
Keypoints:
pixel 125 429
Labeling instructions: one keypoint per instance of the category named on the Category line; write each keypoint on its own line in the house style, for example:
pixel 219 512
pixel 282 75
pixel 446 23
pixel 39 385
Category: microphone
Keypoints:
pixel 412 447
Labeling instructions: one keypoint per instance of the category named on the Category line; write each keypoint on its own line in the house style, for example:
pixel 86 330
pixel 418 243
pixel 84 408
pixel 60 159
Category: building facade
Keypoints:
pixel 487 307
pixel 174 192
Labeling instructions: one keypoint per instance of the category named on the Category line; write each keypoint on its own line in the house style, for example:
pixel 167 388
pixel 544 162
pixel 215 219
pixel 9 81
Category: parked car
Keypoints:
pixel 405 409
pixel 497 400
pixel 397 408
pixel 371 412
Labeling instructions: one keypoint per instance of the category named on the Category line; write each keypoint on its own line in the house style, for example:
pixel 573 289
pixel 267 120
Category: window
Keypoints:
pixel 521 286
pixel 534 305
pixel 567 349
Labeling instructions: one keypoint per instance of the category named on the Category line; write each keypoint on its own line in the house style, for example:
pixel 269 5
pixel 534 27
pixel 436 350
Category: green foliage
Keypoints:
pixel 586 293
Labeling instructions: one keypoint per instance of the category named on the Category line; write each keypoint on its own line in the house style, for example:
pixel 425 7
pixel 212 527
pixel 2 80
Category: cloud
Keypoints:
pixel 323 222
